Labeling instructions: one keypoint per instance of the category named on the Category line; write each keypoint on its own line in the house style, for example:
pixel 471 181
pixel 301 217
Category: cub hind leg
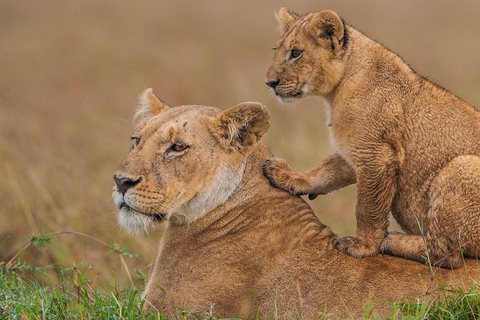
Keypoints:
pixel 453 219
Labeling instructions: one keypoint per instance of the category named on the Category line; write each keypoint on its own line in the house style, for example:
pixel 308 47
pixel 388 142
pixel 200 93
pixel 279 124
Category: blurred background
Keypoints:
pixel 71 73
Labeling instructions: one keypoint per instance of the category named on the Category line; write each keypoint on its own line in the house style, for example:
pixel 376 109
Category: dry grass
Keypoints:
pixel 70 72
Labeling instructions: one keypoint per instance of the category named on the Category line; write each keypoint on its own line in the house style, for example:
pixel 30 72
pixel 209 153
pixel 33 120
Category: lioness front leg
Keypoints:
pixel 376 183
pixel 331 174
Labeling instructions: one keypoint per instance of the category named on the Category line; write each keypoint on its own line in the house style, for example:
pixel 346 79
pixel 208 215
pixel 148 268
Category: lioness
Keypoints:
pixel 233 240
pixel 412 147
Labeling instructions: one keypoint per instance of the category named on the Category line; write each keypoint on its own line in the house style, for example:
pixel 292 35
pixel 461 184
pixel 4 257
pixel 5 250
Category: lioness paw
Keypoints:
pixel 352 246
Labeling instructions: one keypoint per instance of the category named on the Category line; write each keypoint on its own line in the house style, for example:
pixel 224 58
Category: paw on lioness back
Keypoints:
pixel 281 176
pixel 354 247
pixel 388 126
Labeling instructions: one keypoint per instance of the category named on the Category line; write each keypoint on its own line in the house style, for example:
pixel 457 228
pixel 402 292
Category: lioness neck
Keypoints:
pixel 247 209
pixel 257 232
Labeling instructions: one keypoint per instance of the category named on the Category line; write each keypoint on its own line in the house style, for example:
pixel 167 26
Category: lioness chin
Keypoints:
pixel 411 147
pixel 235 242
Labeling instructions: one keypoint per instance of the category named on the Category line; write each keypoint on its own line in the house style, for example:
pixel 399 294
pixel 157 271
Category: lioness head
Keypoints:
pixel 308 56
pixel 184 161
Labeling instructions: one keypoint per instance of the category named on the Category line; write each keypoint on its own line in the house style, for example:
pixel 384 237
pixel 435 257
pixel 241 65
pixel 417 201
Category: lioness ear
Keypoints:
pixel 241 126
pixel 149 105
pixel 328 25
pixel 285 18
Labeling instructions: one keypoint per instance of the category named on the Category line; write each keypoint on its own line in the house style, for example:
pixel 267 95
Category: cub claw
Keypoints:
pixel 281 176
pixel 352 246
pixel 279 173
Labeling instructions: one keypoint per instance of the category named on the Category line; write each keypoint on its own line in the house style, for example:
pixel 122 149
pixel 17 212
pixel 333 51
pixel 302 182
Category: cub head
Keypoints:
pixel 184 161
pixel 309 55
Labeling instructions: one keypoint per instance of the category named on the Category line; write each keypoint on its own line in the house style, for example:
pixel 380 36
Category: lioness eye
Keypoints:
pixel 135 141
pixel 178 146
pixel 295 54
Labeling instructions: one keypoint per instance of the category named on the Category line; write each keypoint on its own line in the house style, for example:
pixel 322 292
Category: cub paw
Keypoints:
pixel 278 172
pixel 352 246
pixel 281 176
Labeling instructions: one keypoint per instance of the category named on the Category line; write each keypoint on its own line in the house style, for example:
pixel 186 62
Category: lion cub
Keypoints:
pixel 412 147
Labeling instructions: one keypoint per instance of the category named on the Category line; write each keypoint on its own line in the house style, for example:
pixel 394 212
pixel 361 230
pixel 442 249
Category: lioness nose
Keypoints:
pixel 273 84
pixel 125 183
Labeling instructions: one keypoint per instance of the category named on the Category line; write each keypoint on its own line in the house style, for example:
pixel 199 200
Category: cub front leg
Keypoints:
pixel 376 184
pixel 331 174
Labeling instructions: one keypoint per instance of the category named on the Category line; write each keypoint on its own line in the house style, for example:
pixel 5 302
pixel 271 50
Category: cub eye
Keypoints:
pixel 178 146
pixel 295 53
pixel 135 141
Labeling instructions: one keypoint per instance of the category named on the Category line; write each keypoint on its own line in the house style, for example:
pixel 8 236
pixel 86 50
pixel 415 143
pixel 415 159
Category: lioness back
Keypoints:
pixel 396 134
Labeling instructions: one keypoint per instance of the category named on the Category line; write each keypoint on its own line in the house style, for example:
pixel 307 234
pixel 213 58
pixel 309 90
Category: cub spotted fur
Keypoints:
pixel 234 242
pixel 412 147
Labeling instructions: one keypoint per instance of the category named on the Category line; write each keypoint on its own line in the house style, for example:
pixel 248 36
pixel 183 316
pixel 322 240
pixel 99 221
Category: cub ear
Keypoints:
pixel 285 18
pixel 148 106
pixel 328 25
pixel 241 126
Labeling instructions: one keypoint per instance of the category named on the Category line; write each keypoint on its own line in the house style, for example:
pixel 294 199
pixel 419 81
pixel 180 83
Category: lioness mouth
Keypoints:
pixel 158 216
pixel 291 95
pixel 299 93
pixel 154 216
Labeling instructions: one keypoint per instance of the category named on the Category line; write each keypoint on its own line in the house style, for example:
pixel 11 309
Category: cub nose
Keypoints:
pixel 273 84
pixel 125 183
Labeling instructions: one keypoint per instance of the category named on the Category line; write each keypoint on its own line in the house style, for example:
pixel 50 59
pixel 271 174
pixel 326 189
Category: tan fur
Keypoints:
pixel 261 249
pixel 412 147
pixel 149 105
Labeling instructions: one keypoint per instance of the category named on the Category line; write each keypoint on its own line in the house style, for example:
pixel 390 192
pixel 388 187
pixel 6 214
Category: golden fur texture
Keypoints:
pixel 255 248
pixel 411 147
